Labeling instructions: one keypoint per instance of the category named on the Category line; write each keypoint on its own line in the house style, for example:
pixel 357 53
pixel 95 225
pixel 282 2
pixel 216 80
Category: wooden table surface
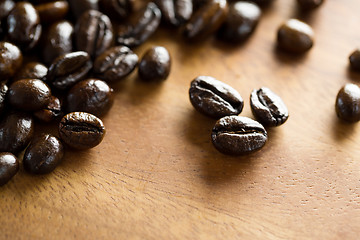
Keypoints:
pixel 156 175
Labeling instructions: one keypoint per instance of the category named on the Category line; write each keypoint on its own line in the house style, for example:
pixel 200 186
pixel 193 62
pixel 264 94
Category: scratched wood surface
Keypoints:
pixel 156 175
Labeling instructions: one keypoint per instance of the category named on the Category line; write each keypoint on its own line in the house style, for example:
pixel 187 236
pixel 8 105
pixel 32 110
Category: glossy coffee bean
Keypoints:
pixel 94 33
pixel 268 108
pixel 29 94
pixel 240 22
pixel 32 70
pixel 68 69
pixel 115 64
pixel 235 135
pixel 206 20
pixel 309 4
pixel 142 25
pixel 117 9
pixel 51 12
pixel 51 112
pixel 43 155
pixel 214 98
pixel 24 28
pixel 81 130
pixel 78 7
pixel 9 166
pixel 10 60
pixel 295 36
pixel 175 12
pixel 16 131
pixel 155 65
pixel 3 93
pixel 347 104
pixel 92 96
pixel 354 60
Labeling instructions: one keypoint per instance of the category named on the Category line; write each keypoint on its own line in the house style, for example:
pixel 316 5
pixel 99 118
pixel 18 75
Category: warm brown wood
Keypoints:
pixel 157 176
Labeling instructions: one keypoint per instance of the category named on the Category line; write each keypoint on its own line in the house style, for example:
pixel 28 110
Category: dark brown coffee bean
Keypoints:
pixel 29 94
pixel 94 33
pixel 206 20
pixel 175 12
pixel 143 25
pixel 16 131
pixel 78 7
pixel 235 135
pixel 68 69
pixel 10 60
pixel 51 112
pixel 81 130
pixel 43 155
pixel 32 70
pixel 9 166
pixel 268 108
pixel 240 22
pixel 155 65
pixel 3 93
pixel 51 12
pixel 355 60
pixel 24 28
pixel 92 96
pixel 117 9
pixel 347 104
pixel 214 98
pixel 295 36
pixel 115 64
pixel 309 4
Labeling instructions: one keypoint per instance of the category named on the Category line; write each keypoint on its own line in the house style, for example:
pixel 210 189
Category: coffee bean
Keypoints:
pixel 51 112
pixel 347 104
pixel 43 155
pixel 16 130
pixel 78 7
pixel 268 108
pixel 155 65
pixel 214 98
pixel 81 130
pixel 10 60
pixel 295 36
pixel 32 70
pixel 117 9
pixel 309 4
pixel 3 93
pixel 51 12
pixel 354 60
pixel 175 12
pixel 9 166
pixel 235 135
pixel 115 64
pixel 92 96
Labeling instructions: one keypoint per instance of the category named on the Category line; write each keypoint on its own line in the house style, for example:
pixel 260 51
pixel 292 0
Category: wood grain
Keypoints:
pixel 157 176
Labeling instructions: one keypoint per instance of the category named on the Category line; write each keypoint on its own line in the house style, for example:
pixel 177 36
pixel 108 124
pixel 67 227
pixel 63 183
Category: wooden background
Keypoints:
pixel 156 175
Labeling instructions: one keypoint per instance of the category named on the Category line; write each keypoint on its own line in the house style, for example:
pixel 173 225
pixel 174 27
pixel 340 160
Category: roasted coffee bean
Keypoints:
pixel 9 166
pixel 206 20
pixel 235 135
pixel 78 7
pixel 175 12
pixel 3 93
pixel 10 60
pixel 115 64
pixel 355 60
pixel 51 12
pixel 43 155
pixel 51 112
pixel 295 36
pixel 24 28
pixel 143 25
pixel 309 4
pixel 268 108
pixel 32 70
pixel 92 96
pixel 155 65
pixel 347 104
pixel 16 130
pixel 240 22
pixel 68 69
pixel 81 130
pixel 117 9
pixel 94 33
pixel 214 98
pixel 29 94
pixel 58 41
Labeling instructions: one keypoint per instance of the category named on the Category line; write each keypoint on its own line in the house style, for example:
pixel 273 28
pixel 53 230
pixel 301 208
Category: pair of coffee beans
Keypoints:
pixel 232 134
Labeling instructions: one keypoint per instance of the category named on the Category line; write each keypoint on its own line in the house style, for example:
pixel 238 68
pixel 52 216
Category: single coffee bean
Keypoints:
pixel 81 130
pixel 51 12
pixel 240 22
pixel 347 104
pixel 142 25
pixel 355 60
pixel 3 93
pixel 51 112
pixel 24 28
pixel 295 36
pixel 92 96
pixel 29 94
pixel 78 7
pixel 309 4
pixel 9 166
pixel 43 155
pixel 16 130
pixel 117 9
pixel 206 20
pixel 115 64
pixel 155 65
pixel 10 60
pixel 68 69
pixel 175 12
pixel 214 98
pixel 235 135
pixel 32 70
pixel 94 33
pixel 268 108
